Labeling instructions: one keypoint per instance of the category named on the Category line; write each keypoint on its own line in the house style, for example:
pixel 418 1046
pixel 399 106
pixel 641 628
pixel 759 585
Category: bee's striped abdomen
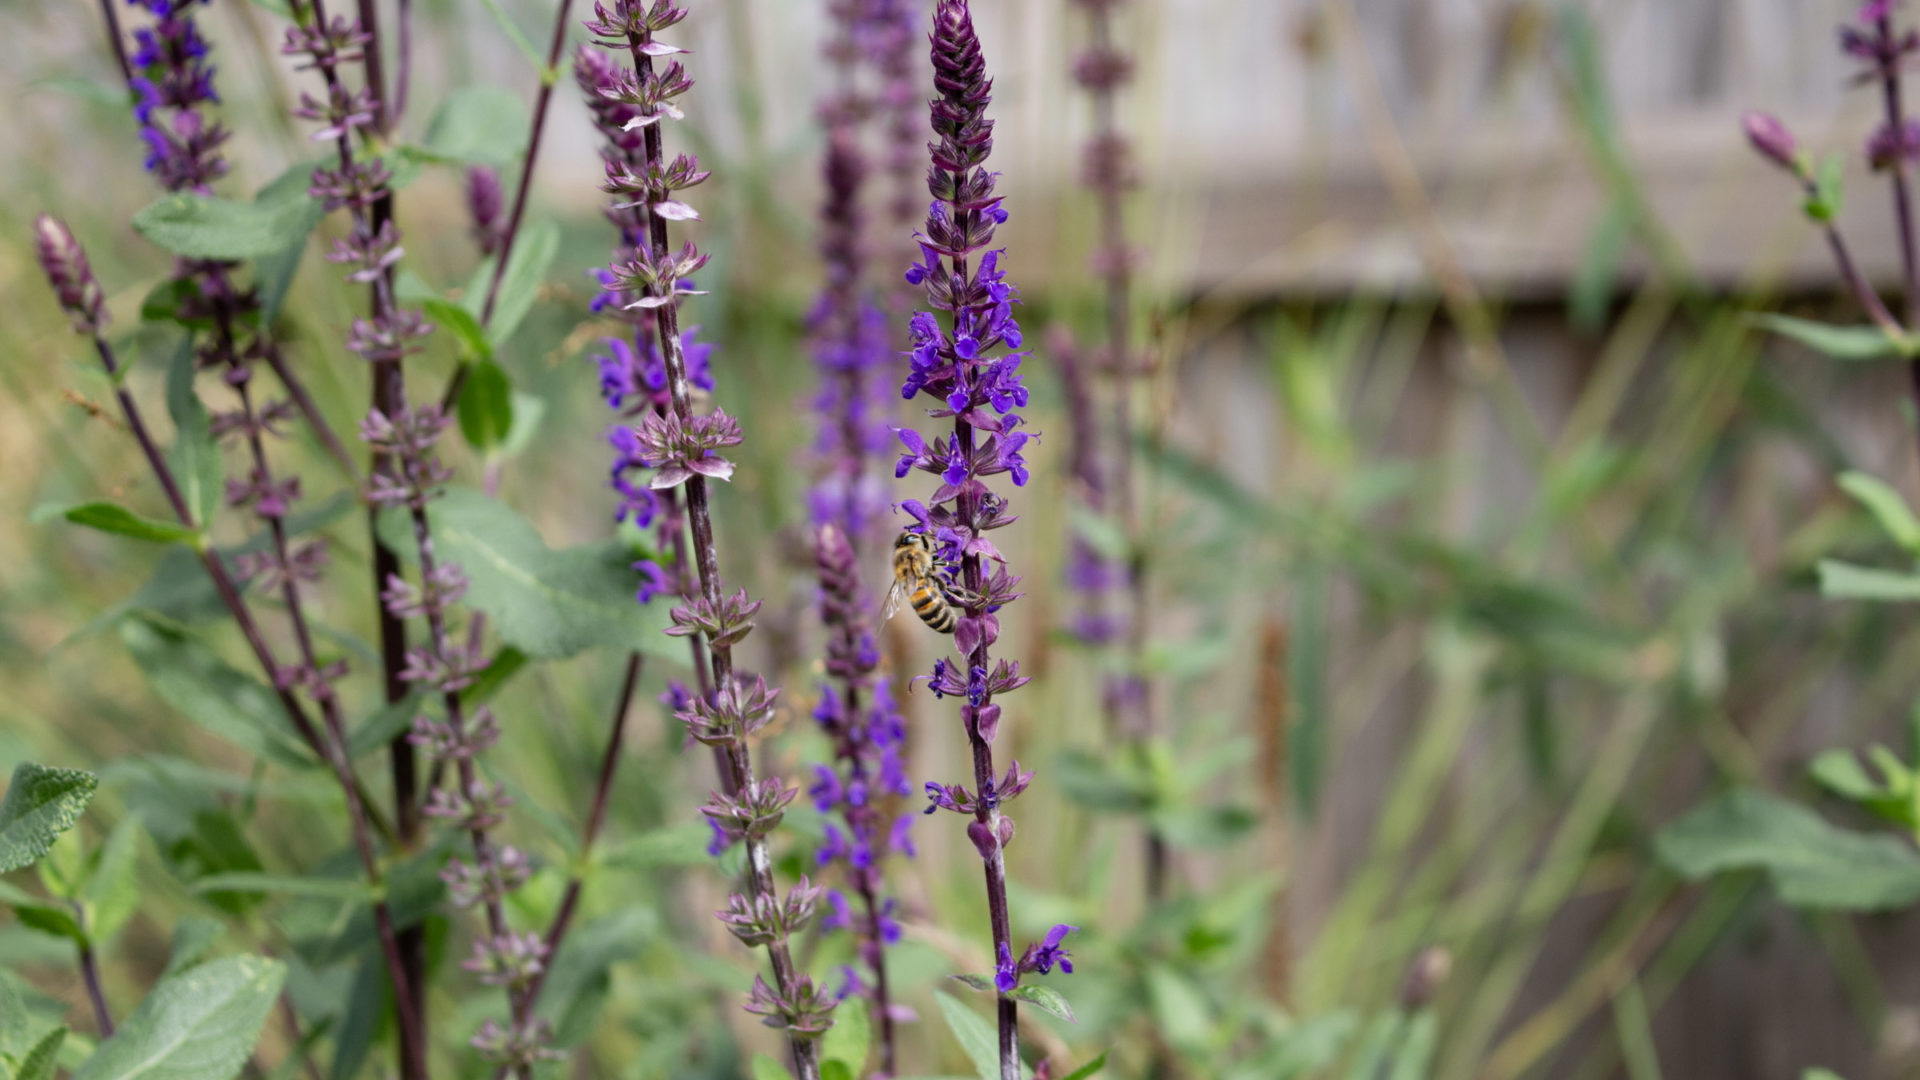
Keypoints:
pixel 931 605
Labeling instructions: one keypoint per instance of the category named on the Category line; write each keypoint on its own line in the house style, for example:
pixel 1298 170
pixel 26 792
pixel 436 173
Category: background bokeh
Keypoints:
pixel 1482 528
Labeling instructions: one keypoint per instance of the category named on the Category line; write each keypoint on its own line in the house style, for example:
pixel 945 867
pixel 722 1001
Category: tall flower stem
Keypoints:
pixel 679 446
pixel 633 371
pixel 484 854
pixel 117 43
pixel 540 102
pixel 707 563
pixel 90 974
pixel 1902 197
pixel 1102 70
pixel 223 584
pixel 517 214
pixel 953 363
pixel 188 53
pixel 372 62
pixel 590 831
pixel 362 187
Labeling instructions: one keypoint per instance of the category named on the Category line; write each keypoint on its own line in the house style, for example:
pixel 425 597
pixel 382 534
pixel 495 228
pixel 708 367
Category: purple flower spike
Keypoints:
pixel 649 373
pixel 954 358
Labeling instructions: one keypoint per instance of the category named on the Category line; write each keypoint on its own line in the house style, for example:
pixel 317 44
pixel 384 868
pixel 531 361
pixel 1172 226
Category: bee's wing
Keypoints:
pixel 894 595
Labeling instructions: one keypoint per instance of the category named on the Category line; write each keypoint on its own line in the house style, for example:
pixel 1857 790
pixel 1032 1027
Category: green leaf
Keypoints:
pixel 1204 827
pixel 112 891
pixel 1886 506
pixel 1089 1069
pixel 505 664
pixel 835 1070
pixel 463 325
pixel 546 603
pixel 1829 189
pixel 113 518
pixel 684 844
pixel 1834 342
pixel 977 1037
pixel 1820 1074
pixel 206 690
pixel 55 919
pixel 1415 1058
pixel 1046 999
pixel 320 888
pixel 377 731
pixel 194 456
pixel 766 1068
pixel 1812 864
pixel 477 125
pixel 167 302
pixel 1184 1018
pixel 982 983
pixel 1845 581
pixel 1897 800
pixel 486 405
pixel 533 253
pixel 207 227
pixel 39 1062
pixel 193 935
pixel 200 1024
pixel 40 804
pixel 849 1039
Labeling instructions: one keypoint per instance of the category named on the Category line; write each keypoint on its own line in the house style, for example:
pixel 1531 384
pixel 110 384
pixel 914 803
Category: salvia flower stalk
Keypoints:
pixel 953 362
pixel 406 477
pixel 632 367
pixel 866 779
pixel 359 182
pixel 170 77
pixel 848 505
pixel 1893 148
pixel 1114 588
pixel 681 447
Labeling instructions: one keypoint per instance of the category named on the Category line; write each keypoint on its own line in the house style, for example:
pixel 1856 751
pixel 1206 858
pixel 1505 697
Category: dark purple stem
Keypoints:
pixel 483 850
pixel 373 63
pixel 1902 199
pixel 116 41
pixel 706 558
pixel 532 156
pixel 1863 290
pixel 90 974
pixel 1125 696
pixel 295 1035
pixel 596 814
pixel 388 393
pixel 223 583
pixel 540 103
pixel 403 76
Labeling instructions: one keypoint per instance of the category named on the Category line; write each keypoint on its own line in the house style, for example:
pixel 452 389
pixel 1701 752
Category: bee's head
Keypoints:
pixel 911 539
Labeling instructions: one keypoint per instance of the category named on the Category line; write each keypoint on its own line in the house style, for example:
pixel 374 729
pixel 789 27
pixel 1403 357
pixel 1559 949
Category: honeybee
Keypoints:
pixel 914 581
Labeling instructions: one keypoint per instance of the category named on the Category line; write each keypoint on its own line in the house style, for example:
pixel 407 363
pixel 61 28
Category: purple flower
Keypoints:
pixel 172 81
pixel 1006 974
pixel 953 359
pixel 1050 953
pixel 1887 146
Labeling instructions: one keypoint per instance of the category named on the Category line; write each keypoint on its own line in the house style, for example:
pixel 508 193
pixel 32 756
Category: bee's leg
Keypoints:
pixel 965 598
